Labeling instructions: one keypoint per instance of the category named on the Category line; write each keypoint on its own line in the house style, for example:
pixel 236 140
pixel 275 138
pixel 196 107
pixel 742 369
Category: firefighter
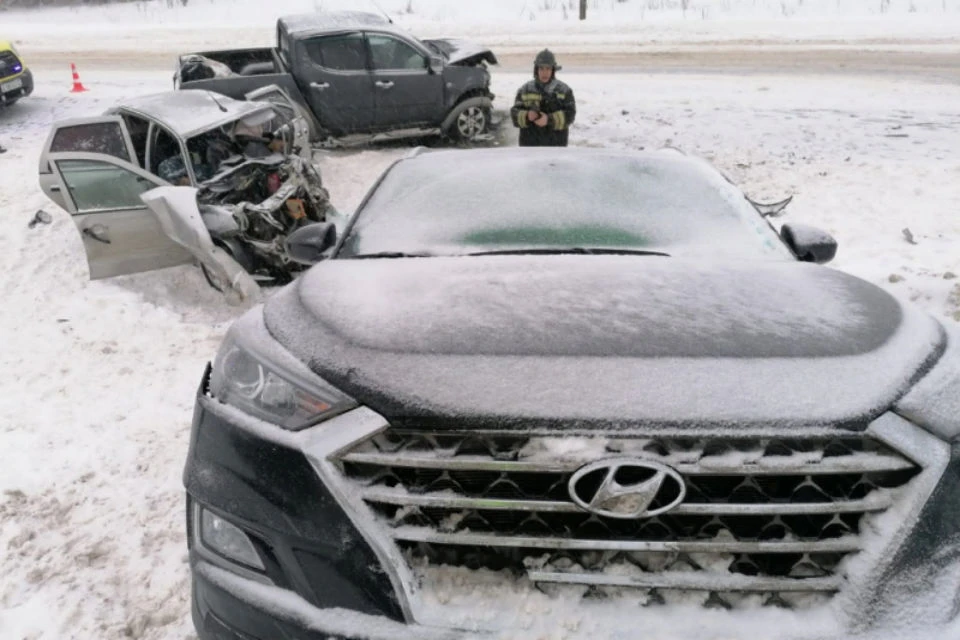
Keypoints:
pixel 544 108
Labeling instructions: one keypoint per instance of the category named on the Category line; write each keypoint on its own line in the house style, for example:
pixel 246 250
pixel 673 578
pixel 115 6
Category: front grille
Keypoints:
pixel 763 518
pixel 9 64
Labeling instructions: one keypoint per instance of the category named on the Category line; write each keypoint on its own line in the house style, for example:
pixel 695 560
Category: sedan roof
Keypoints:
pixel 191 111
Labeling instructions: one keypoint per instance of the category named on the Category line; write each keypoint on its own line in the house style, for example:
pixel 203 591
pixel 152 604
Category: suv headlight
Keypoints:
pixel 292 400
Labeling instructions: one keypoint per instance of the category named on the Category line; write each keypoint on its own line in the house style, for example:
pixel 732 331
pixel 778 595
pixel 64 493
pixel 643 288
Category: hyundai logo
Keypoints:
pixel 626 488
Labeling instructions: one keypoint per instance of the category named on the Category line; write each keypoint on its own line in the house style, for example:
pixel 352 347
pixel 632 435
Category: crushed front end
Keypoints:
pixel 252 207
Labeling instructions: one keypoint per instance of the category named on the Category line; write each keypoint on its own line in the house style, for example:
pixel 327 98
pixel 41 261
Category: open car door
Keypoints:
pixel 290 115
pixel 105 135
pixel 180 218
pixel 102 193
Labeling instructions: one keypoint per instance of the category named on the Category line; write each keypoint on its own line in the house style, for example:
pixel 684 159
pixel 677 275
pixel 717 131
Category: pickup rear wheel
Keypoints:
pixel 470 123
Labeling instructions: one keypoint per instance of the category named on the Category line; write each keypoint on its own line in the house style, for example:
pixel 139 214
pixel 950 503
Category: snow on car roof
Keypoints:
pixel 306 23
pixel 190 112
pixel 442 202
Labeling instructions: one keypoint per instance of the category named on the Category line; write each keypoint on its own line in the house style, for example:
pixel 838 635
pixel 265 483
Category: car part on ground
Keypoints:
pixel 476 414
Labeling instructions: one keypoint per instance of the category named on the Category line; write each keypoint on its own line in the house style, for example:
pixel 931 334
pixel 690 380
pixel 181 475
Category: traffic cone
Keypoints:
pixel 77 85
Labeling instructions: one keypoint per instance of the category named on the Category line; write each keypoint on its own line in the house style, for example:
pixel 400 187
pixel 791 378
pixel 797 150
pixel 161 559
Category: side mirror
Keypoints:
pixel 307 244
pixel 436 65
pixel 809 244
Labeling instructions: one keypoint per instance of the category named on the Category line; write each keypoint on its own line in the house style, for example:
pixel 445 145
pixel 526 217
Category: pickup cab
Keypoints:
pixel 357 77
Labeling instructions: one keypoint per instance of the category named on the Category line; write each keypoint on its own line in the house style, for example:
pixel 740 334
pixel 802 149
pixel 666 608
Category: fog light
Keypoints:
pixel 228 540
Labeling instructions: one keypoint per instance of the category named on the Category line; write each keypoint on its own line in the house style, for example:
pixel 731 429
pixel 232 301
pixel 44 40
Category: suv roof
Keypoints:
pixel 306 24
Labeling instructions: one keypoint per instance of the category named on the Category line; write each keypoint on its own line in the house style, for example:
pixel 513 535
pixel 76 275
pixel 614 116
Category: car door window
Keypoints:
pixel 166 157
pixel 389 54
pixel 92 137
pixel 138 129
pixel 101 186
pixel 342 52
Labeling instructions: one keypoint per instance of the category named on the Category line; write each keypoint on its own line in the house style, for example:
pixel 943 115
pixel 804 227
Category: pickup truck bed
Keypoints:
pixel 234 73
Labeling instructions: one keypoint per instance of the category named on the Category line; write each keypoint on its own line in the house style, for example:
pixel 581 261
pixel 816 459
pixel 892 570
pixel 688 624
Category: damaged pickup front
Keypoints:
pixel 189 176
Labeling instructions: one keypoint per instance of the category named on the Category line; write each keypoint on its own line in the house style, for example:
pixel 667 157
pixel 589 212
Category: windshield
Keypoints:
pixel 454 203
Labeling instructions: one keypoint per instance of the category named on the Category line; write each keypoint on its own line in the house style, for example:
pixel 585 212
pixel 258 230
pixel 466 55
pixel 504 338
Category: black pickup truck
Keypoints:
pixel 357 77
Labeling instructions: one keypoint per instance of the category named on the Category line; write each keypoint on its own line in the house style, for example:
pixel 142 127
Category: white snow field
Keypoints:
pixel 97 379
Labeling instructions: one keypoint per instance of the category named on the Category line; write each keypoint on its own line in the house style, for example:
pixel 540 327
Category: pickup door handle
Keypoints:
pixel 98 232
pixel 384 85
pixel 320 85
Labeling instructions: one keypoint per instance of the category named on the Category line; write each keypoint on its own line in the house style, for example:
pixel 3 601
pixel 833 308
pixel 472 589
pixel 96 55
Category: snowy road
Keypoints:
pixel 99 377
pixel 934 61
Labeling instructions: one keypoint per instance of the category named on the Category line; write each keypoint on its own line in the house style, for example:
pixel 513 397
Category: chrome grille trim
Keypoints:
pixel 423 534
pixel 763 514
pixel 868 567
pixel 321 445
pixel 691 581
pixel 328 447
pixel 404 498
pixel 326 443
pixel 858 463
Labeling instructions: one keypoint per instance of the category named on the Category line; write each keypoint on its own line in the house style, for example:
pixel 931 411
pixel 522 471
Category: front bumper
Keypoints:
pixel 12 89
pixel 329 571
pixel 229 607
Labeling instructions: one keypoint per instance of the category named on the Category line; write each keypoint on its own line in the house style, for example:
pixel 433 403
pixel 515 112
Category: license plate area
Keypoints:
pixel 12 85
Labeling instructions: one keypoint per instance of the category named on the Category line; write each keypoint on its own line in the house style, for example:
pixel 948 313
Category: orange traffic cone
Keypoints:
pixel 77 85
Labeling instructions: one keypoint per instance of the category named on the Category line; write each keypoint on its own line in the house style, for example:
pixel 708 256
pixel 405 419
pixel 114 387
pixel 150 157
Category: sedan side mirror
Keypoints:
pixel 307 245
pixel 436 65
pixel 809 244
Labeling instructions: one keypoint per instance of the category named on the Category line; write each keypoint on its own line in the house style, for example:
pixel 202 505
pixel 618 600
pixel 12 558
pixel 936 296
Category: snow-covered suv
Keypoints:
pixel 603 416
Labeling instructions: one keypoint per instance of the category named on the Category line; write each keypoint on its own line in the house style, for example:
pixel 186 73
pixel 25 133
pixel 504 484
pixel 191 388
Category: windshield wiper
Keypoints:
pixel 574 250
pixel 390 254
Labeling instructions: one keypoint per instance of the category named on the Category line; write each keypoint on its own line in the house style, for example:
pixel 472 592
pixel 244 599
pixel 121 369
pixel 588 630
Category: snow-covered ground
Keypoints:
pixel 98 378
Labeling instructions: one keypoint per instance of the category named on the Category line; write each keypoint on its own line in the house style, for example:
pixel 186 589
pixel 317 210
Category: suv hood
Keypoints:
pixel 605 340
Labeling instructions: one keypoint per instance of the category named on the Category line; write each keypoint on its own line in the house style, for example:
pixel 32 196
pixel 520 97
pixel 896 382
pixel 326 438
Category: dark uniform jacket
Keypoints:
pixel 556 100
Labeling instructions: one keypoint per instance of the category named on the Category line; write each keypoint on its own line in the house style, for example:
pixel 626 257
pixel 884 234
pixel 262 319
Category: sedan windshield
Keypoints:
pixel 577 200
pixel 252 136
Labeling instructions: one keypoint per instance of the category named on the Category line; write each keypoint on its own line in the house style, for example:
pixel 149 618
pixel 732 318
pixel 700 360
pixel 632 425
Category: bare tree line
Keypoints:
pixel 37 4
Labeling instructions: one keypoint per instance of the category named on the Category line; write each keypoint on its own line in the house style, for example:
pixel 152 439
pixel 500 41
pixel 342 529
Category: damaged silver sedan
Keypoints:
pixel 189 176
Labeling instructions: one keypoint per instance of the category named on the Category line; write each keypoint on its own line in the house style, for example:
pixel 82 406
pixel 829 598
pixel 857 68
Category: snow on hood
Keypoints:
pixel 604 339
pixel 459 51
